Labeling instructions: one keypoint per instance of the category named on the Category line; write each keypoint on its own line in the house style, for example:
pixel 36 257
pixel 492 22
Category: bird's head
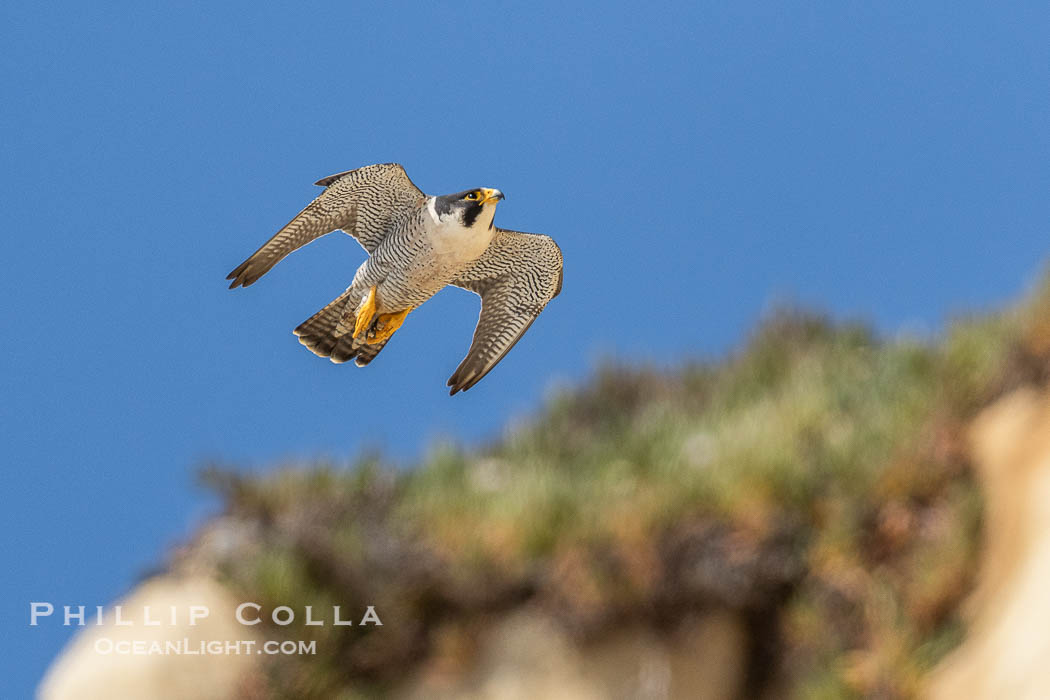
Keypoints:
pixel 470 207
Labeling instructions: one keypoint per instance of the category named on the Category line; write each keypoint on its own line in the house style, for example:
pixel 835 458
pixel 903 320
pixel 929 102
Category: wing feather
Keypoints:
pixel 367 203
pixel 516 277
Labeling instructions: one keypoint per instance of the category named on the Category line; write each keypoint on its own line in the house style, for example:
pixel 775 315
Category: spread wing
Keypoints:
pixel 367 203
pixel 515 277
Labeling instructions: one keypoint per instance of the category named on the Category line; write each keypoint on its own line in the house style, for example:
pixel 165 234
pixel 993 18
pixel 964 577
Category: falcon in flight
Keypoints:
pixel 417 244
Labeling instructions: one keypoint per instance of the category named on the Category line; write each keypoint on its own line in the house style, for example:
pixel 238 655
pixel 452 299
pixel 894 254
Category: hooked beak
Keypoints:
pixel 490 195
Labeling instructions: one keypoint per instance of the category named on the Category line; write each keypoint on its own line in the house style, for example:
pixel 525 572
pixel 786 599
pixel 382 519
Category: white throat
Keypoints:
pixel 454 242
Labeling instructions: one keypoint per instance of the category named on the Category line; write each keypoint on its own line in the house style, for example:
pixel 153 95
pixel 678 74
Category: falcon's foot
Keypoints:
pixel 365 313
pixel 385 326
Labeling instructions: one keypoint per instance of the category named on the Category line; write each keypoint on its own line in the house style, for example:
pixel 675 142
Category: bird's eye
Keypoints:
pixel 472 196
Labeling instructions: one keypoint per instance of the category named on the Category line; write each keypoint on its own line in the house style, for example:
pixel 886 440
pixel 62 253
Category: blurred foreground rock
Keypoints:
pixel 83 673
pixel 523 655
pixel 528 655
pixel 1007 649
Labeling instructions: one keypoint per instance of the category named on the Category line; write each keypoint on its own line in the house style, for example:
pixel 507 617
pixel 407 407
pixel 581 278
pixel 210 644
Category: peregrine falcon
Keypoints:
pixel 417 244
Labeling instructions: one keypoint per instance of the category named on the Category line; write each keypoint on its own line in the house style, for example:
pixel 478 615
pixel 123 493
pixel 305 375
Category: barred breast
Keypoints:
pixel 427 256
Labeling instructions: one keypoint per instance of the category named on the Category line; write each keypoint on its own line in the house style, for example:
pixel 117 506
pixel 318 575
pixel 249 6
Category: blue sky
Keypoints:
pixel 696 162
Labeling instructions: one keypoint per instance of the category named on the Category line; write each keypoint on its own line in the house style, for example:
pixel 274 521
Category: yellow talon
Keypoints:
pixel 366 311
pixel 386 324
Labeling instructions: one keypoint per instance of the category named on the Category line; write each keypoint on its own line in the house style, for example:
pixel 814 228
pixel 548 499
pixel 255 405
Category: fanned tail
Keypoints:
pixel 323 336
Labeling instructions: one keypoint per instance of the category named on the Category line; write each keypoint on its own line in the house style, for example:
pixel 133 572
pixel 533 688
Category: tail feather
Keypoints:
pixel 318 334
pixel 367 353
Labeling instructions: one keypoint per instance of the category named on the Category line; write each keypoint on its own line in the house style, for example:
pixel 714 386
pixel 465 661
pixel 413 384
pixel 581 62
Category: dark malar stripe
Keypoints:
pixel 470 214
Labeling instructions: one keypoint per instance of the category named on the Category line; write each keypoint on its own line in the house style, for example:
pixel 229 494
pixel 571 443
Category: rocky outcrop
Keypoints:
pixel 528 655
pixel 1007 649
pixel 101 663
